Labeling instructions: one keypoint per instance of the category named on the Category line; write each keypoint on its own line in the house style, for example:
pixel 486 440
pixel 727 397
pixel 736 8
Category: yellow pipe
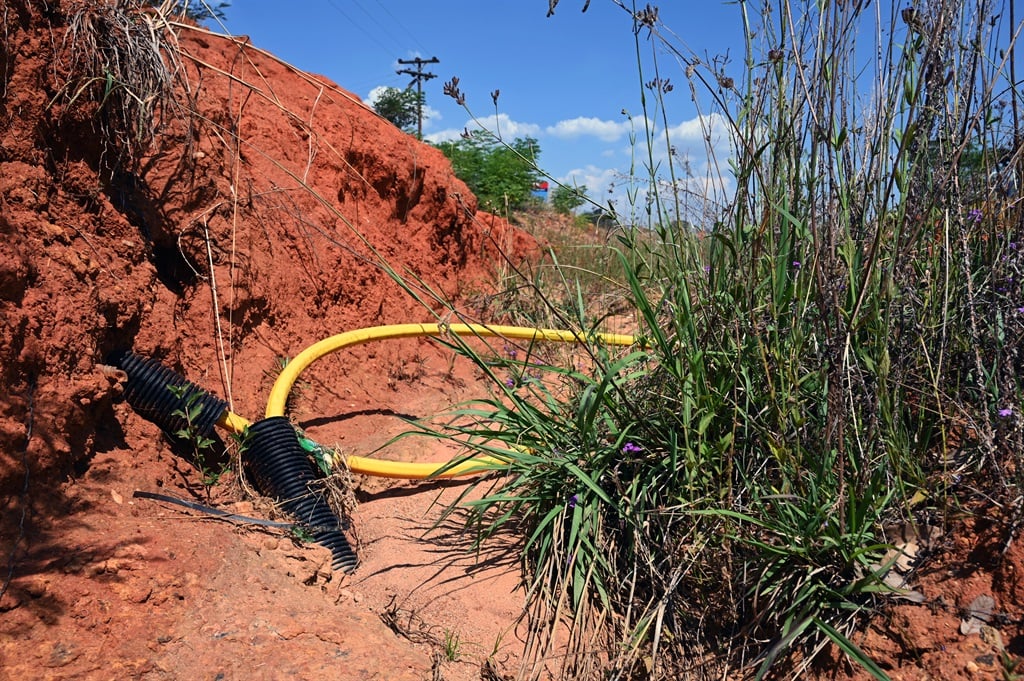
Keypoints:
pixel 233 422
pixel 400 469
pixel 380 468
pixel 288 376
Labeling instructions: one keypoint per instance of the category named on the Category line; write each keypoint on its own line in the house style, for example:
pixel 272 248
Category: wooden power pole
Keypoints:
pixel 418 76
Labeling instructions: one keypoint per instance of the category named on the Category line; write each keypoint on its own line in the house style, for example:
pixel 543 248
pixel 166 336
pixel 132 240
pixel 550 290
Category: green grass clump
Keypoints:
pixel 829 350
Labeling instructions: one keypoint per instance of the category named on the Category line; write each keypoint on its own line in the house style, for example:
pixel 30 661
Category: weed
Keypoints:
pixel 404 370
pixel 1009 666
pixel 452 645
pixel 813 341
pixel 302 535
pixel 120 61
pixel 189 413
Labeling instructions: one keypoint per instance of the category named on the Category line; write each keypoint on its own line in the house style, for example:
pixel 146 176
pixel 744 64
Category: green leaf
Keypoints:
pixel 852 650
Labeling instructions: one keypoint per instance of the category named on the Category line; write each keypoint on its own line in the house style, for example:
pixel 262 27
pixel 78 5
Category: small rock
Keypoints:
pixel 36 588
pixel 61 654
pixel 132 591
pixel 988 660
pixel 991 636
pixel 54 232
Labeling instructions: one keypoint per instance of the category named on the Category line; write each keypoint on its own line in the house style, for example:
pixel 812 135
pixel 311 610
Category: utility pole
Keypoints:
pixel 418 77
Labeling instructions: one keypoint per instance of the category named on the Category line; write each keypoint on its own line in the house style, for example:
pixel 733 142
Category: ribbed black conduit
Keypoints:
pixel 148 390
pixel 274 458
pixel 281 469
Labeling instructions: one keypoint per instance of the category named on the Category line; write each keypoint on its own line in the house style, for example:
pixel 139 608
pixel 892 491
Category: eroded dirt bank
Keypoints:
pixel 253 223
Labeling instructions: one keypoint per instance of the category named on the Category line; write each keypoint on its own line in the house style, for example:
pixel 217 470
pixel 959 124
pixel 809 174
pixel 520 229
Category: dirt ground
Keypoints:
pixel 238 235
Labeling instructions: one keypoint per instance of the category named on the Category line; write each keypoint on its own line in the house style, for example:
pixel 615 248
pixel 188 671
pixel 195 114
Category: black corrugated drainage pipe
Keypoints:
pixel 276 462
pixel 279 467
pixel 162 396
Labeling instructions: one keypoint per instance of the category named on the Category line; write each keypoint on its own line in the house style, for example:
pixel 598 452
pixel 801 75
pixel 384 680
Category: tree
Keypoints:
pixel 197 10
pixel 565 198
pixel 401 107
pixel 500 175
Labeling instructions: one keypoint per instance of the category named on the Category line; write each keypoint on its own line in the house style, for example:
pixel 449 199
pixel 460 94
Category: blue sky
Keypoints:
pixel 564 80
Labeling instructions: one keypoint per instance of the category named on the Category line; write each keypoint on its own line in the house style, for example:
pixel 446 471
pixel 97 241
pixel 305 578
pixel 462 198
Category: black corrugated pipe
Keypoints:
pixel 276 462
pixel 149 391
pixel 280 468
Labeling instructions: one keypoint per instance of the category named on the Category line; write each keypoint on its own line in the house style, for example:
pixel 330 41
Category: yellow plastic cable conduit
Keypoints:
pixel 398 469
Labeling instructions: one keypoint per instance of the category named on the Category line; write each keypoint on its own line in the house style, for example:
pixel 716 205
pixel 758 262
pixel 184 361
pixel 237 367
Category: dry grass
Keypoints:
pixel 123 61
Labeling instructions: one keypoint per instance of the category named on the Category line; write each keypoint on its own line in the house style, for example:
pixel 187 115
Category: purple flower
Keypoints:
pixel 796 264
pixel 1005 413
pixel 631 448
pixel 974 215
pixel 572 500
pixel 1020 310
pixel 510 382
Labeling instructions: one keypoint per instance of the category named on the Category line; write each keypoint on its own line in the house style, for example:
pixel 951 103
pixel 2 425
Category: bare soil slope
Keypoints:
pixel 251 225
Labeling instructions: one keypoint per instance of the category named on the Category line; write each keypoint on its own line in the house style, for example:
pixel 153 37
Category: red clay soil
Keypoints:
pixel 253 224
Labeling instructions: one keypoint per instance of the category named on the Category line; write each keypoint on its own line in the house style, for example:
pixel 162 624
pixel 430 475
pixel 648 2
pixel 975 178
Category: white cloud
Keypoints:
pixel 713 126
pixel 699 150
pixel 430 116
pixel 596 180
pixel 372 96
pixel 446 135
pixel 606 131
pixel 501 126
pixel 504 127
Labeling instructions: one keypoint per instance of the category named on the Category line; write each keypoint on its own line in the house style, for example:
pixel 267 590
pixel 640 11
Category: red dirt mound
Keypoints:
pixel 255 222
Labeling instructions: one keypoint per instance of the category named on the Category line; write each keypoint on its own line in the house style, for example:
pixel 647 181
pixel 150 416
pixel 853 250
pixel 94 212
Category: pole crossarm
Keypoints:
pixel 418 76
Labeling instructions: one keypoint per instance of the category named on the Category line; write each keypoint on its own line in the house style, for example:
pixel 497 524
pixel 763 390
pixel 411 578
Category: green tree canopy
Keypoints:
pixel 500 175
pixel 401 107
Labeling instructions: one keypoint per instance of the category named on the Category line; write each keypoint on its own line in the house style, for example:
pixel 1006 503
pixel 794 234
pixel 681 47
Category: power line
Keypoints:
pixel 385 27
pixel 397 22
pixel 369 34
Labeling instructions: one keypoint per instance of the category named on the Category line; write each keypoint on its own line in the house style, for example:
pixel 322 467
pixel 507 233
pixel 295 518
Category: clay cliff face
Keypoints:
pixel 241 213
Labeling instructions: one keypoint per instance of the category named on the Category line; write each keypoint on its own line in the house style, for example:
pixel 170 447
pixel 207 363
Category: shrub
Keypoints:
pixel 500 175
pixel 565 199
